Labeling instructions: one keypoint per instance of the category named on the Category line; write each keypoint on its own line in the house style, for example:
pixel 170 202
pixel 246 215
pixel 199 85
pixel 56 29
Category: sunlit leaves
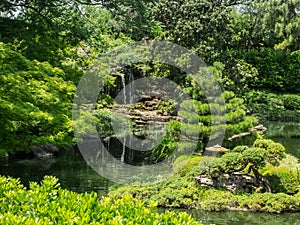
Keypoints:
pixel 36 102
pixel 47 203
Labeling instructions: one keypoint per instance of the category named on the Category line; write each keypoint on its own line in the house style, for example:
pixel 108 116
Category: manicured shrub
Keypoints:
pixel 176 191
pixel 275 151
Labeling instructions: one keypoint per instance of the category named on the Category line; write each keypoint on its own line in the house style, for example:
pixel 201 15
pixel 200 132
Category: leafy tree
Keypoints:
pixel 269 24
pixel 35 103
pixel 201 25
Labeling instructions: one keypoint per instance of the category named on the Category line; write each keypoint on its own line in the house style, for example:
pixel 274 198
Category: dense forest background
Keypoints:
pixel 45 47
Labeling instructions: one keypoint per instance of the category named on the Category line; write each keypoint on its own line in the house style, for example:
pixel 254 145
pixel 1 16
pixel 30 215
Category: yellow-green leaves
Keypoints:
pixel 47 203
pixel 35 102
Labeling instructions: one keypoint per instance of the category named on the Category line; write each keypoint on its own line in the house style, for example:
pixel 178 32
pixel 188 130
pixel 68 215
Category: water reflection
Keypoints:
pixel 71 169
pixel 245 218
pixel 74 174
pixel 287 133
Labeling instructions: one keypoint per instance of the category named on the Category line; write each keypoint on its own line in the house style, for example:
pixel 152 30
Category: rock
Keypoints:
pixel 234 182
pixel 260 129
pixel 44 151
pixel 239 136
pixel 216 150
pixel 204 181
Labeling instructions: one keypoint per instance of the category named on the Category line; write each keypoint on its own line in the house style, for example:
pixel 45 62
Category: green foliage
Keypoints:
pixel 169 143
pixel 187 165
pixel 200 25
pixel 253 158
pixel 175 192
pixel 277 70
pixel 112 123
pixel 235 162
pixel 256 156
pixel 102 122
pixel 47 203
pixel 273 106
pixel 267 24
pixel 196 126
pixel 283 180
pixel 240 148
pixel 291 102
pixel 240 77
pixel 275 151
pixel 217 200
pixel 268 202
pixel 284 177
pixel 179 192
pixel 35 103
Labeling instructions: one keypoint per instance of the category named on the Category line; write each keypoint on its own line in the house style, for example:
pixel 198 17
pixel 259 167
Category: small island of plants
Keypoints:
pixel 262 178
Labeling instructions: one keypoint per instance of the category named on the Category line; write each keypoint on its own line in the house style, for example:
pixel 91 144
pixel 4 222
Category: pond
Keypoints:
pixel 71 169
pixel 287 133
pixel 74 174
pixel 244 218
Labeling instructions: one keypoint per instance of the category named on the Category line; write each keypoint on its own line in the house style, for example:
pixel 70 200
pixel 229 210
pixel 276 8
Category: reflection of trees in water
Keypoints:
pixel 69 167
pixel 238 218
pixel 282 129
pixel 287 133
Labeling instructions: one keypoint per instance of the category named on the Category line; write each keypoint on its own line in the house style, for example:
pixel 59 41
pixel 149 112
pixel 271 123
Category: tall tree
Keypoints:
pixel 201 25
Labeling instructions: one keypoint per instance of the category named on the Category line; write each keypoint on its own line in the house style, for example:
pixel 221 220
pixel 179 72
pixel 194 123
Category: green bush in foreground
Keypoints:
pixel 47 203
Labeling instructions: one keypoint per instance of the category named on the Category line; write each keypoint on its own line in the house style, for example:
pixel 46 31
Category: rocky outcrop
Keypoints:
pixel 145 114
pixel 44 151
pixel 235 182
pixel 260 129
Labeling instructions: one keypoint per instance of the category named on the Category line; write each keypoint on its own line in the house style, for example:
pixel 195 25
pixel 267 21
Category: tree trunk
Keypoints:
pixel 261 179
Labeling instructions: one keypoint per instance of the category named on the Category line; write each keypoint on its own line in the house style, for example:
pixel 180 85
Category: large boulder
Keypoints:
pixel 44 151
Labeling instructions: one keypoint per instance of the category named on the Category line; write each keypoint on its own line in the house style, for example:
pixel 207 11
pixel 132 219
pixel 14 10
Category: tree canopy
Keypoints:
pixel 47 45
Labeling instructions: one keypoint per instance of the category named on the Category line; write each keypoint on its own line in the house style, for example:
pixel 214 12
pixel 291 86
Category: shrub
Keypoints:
pixel 268 202
pixel 291 102
pixel 47 203
pixel 175 192
pixel 273 106
pixel 187 165
pixel 283 180
pixel 275 151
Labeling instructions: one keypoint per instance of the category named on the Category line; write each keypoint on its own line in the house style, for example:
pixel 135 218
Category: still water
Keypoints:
pixel 74 174
pixel 245 218
pixel 69 167
pixel 287 133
